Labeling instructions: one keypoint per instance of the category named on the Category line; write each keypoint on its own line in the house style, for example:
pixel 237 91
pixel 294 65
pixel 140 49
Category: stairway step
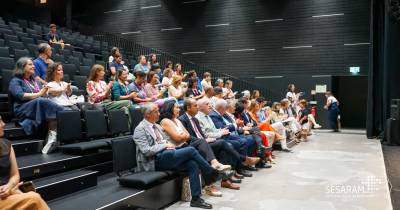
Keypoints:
pixel 40 165
pixel 27 147
pixel 55 186
pixel 13 132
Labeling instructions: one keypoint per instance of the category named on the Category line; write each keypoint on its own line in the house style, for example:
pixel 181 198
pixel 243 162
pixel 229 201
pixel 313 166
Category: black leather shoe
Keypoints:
pixel 263 165
pixel 225 174
pixel 200 203
pixel 250 168
pixel 244 173
pixel 236 181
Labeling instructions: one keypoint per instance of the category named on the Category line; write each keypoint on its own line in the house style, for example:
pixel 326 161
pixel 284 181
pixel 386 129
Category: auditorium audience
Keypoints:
pixel 227 90
pixel 116 65
pixel 10 195
pixel 167 79
pixel 211 131
pixel 255 94
pixel 154 152
pixel 332 105
pixel 178 70
pixel 42 61
pixel 179 136
pixel 176 90
pixel 303 119
pixel 141 65
pixel 120 90
pixel 194 91
pixel 138 86
pixel 30 105
pixel 53 37
pixel 151 90
pixel 206 82
pixel 58 90
pixel 99 92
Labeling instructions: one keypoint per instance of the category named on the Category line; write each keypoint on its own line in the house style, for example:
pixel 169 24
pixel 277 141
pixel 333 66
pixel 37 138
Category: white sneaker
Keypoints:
pixel 317 126
pixel 51 142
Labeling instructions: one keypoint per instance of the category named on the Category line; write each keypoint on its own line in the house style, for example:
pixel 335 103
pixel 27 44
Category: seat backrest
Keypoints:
pixel 96 125
pixel 2 43
pixel 70 69
pixel 69 126
pixel 80 82
pixel 6 31
pixel 58 58
pixel 118 122
pixel 16 45
pixel 6 75
pixel 87 62
pixel 84 71
pixel 4 52
pixel 20 53
pixel 124 154
pixel 74 60
pixel 33 49
pixel 136 117
pixel 27 40
pixel 9 38
pixel 7 63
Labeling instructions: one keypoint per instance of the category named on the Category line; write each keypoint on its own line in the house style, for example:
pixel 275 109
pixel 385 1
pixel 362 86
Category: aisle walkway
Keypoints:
pixel 330 172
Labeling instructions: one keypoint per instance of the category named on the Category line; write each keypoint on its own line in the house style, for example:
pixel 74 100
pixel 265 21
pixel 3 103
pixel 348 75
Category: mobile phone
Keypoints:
pixel 28 187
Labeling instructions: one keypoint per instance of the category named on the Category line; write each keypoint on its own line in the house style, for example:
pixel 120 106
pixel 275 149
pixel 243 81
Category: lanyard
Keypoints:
pixel 33 87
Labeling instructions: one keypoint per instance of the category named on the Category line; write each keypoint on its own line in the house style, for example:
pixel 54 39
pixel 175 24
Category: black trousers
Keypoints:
pixel 203 147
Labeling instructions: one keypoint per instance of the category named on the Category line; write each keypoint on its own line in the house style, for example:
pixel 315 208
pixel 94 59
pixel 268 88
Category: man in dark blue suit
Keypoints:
pixel 224 150
pixel 217 116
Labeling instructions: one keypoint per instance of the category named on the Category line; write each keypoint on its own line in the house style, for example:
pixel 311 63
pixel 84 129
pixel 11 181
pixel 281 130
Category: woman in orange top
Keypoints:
pixel 278 128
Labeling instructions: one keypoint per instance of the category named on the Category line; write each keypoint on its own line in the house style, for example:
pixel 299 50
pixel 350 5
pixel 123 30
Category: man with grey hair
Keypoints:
pixel 42 62
pixel 211 130
pixel 155 152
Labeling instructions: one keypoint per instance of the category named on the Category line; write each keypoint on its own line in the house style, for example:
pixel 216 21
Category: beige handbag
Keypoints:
pixel 186 193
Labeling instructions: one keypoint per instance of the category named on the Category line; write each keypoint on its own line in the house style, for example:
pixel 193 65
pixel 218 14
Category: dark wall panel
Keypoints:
pixel 338 42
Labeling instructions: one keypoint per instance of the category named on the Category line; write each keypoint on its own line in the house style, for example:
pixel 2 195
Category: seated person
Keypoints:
pixel 116 65
pixel 274 116
pixel 227 91
pixel 303 119
pixel 211 131
pixel 218 94
pixel 176 90
pixel 152 91
pixel 142 65
pixel 193 75
pixel 30 104
pixel 53 37
pixel 59 91
pixel 10 196
pixel 138 87
pixel 155 153
pixel 265 125
pixel 193 91
pixel 167 79
pixel 99 92
pixel 217 116
pixel 111 58
pixel 42 62
pixel 178 70
pixel 179 136
pixel 209 92
pixel 206 82
pixel 221 148
pixel 120 90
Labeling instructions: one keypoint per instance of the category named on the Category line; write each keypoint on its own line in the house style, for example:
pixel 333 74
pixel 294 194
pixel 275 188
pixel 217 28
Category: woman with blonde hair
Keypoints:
pixel 176 90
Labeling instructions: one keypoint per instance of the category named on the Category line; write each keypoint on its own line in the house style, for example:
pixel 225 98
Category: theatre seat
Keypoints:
pixel 142 179
pixel 86 147
pixel 124 161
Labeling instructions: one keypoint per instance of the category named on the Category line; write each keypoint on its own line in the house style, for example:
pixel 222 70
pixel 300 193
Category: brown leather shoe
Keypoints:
pixel 230 185
pixel 251 161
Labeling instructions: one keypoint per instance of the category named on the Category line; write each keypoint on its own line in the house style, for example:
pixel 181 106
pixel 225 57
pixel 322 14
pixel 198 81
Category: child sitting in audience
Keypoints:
pixel 302 118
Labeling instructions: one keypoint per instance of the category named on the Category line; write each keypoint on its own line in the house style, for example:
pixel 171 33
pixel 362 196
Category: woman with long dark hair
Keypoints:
pixel 10 196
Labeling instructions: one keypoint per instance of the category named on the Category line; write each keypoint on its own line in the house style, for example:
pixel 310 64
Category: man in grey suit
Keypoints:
pixel 154 152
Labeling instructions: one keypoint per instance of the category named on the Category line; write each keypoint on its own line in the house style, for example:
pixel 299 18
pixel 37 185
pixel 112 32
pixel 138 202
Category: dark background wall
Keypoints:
pixel 327 35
